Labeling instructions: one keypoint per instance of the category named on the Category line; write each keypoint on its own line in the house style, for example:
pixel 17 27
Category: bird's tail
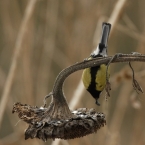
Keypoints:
pixel 105 34
pixel 101 50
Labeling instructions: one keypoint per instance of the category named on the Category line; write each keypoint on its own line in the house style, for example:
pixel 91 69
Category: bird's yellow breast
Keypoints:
pixel 86 77
pixel 100 78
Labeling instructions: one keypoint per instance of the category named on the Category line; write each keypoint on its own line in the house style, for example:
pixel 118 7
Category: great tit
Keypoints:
pixel 94 78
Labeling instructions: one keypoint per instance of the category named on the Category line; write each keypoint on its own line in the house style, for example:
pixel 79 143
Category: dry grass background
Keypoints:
pixel 39 38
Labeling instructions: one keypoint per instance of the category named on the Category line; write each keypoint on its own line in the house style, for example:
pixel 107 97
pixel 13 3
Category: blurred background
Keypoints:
pixel 39 38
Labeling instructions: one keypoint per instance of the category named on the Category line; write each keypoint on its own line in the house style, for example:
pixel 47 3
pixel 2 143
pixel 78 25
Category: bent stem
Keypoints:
pixel 58 108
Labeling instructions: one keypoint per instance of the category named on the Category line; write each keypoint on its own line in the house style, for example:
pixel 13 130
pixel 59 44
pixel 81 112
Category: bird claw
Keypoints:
pixel 136 53
pixel 86 59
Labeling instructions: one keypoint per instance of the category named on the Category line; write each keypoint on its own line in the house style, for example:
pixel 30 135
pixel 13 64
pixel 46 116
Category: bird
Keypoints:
pixel 94 78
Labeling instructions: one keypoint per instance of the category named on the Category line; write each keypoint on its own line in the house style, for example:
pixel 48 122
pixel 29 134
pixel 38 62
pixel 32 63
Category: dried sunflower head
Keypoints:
pixel 84 121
